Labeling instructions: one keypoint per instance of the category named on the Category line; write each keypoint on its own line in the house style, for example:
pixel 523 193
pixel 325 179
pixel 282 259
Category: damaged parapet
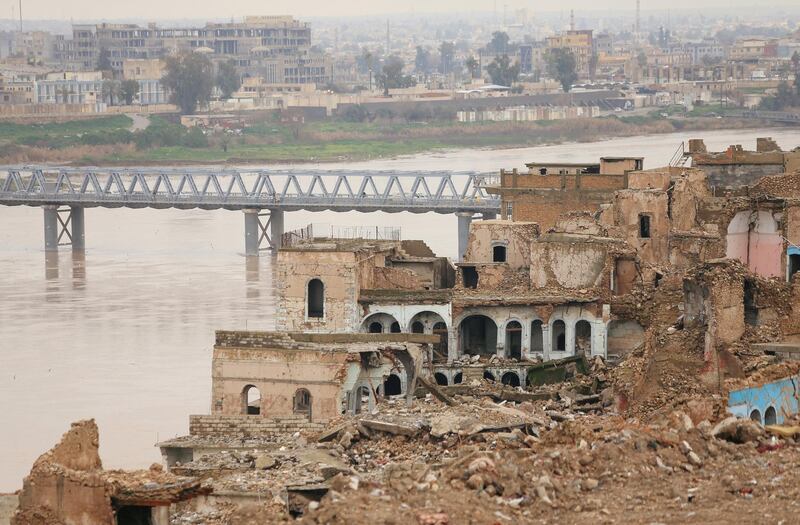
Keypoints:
pixel 67 485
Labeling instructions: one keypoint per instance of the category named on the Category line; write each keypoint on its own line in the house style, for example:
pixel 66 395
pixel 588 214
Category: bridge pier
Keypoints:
pixel 464 220
pixel 61 222
pixel 258 231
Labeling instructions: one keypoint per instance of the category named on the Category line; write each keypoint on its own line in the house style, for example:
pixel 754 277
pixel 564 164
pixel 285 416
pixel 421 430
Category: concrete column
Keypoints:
pixel 464 220
pixel 500 351
pixel 276 229
pixel 251 232
pixel 547 341
pixel 78 229
pixel 50 228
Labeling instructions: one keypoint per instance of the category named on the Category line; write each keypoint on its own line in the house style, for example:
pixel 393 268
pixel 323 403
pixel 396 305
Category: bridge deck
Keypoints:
pixel 286 190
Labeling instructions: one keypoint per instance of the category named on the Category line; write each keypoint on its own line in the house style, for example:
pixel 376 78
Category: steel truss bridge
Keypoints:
pixel 261 194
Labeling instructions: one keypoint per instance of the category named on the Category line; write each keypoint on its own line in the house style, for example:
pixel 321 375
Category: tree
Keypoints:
pixel 473 66
pixel 103 60
pixel 641 59
pixel 189 78
pixel 392 77
pixel 561 66
pixel 422 62
pixel 447 51
pixel 128 90
pixel 502 72
pixel 499 43
pixel 228 80
pixel 110 91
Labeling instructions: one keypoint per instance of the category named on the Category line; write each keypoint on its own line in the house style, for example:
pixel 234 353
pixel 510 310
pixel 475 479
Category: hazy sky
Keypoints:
pixel 162 9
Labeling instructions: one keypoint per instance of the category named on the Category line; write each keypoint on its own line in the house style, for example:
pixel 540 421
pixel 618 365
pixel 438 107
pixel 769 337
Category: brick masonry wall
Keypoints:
pixel 250 426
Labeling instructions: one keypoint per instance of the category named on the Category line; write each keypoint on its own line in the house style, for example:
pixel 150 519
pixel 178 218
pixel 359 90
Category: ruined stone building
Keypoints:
pixel 560 275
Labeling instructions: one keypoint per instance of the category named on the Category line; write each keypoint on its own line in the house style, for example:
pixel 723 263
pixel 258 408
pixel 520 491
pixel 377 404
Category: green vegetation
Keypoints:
pixel 561 65
pixel 65 134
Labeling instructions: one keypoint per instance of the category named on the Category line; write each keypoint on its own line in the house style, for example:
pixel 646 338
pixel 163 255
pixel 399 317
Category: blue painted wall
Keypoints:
pixel 781 395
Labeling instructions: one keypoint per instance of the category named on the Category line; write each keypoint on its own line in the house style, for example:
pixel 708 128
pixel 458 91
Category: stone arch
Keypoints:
pixel 440 349
pixel 417 328
pixel 458 378
pixel 392 386
pixel 440 378
pixel 754 238
pixel 478 335
pixel 513 345
pixel 315 298
pixel 755 415
pixel 770 416
pixel 427 319
pixel 384 320
pixel 251 400
pixel 488 375
pixel 510 379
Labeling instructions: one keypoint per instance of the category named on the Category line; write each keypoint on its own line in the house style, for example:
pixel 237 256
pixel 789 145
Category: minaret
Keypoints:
pixel 637 16
pixel 571 20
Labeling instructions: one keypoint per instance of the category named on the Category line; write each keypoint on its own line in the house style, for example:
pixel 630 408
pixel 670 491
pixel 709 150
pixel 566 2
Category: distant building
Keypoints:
pixel 580 43
pixel 70 88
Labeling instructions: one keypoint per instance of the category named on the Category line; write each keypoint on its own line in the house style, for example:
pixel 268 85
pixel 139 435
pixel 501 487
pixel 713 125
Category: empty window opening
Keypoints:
pixel 644 226
pixel 514 340
pixel 458 378
pixel 469 276
pixel 417 328
pixel 559 336
pixel 794 265
pixel 657 279
pixel 478 335
pixel 510 211
pixel 440 348
pixel 770 416
pixel 537 337
pixel 755 415
pixel 251 400
pixel 392 386
pixel 395 328
pixel 302 402
pixel 362 399
pixel 750 308
pixel 499 253
pixel 440 378
pixel 510 379
pixel 134 515
pixel 375 327
pixel 542 171
pixel 316 298
pixel 583 338
pixel 488 375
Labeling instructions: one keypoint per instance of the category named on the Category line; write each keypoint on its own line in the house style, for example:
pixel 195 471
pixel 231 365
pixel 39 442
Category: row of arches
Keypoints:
pixel 393 385
pixel 770 416
pixel 478 334
pixel 252 401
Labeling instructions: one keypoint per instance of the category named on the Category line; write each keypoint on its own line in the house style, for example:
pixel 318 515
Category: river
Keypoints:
pixel 124 334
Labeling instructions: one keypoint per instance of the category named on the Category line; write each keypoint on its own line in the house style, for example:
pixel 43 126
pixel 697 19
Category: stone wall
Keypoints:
pixel 250 426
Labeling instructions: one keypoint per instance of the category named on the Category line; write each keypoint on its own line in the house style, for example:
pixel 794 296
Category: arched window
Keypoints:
pixel 417 328
pixel 395 328
pixel 457 378
pixel 537 337
pixel 375 327
pixel 302 402
pixel 316 298
pixel 251 400
pixel 514 340
pixel 440 378
pixel 755 415
pixel 488 375
pixel 583 338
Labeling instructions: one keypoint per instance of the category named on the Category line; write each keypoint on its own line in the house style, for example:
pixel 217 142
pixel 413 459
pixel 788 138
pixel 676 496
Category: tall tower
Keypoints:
pixel 571 20
pixel 637 16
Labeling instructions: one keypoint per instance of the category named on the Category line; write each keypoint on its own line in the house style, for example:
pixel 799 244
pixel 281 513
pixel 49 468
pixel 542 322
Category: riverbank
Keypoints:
pixel 328 141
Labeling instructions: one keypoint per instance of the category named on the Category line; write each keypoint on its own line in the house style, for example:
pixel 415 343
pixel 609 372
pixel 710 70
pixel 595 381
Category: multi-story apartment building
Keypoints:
pixel 280 45
pixel 69 88
pixel 580 42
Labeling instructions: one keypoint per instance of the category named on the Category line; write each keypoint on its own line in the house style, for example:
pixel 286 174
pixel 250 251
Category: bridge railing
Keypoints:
pixel 338 232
